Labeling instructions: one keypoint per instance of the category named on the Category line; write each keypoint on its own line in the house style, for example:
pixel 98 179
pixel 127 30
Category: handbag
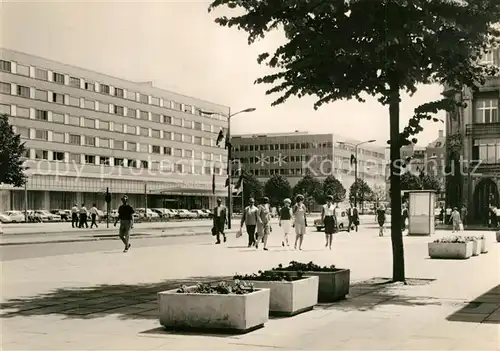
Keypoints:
pixel 214 231
pixel 239 233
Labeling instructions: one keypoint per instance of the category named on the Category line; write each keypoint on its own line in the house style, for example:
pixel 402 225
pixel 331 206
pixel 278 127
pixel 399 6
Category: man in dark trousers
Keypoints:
pixel 126 219
pixel 353 216
pixel 220 220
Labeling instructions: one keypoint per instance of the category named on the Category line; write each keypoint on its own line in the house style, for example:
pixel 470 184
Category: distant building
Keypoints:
pixel 435 161
pixel 294 154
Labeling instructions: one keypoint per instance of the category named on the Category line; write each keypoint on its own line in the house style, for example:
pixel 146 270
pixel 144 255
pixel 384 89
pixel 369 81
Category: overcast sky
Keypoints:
pixel 177 45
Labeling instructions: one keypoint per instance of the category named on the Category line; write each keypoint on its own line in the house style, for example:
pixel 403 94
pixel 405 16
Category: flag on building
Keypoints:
pixel 238 188
pixel 219 137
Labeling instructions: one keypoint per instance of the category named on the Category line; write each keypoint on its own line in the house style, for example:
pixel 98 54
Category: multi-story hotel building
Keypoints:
pixel 473 147
pixel 295 154
pixel 86 131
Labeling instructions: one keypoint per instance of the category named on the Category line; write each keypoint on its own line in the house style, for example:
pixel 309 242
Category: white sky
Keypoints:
pixel 177 45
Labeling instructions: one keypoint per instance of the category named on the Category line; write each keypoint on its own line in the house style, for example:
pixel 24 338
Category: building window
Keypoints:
pixel 58 78
pixel 5 88
pixel 119 145
pixel 143 98
pixel 89 141
pixel 58 98
pixel 23 112
pixel 168 119
pixel 57 117
pixel 131 146
pixel 103 107
pixel 155 117
pixel 143 164
pixel 75 139
pixel 119 110
pixel 177 136
pixel 207 127
pixel 132 163
pixel 177 122
pixel 89 122
pixel 167 150
pixel 23 70
pixel 118 127
pixel 5 66
pixel 74 101
pixel 207 142
pixel 119 92
pixel 155 133
pixel 197 140
pixel 144 148
pixel 104 160
pixel 90 86
pixel 23 132
pixel 155 101
pixel 167 135
pixel 104 89
pixel 58 156
pixel 487 111
pixel 104 142
pixel 25 91
pixel 42 115
pixel 89 104
pixel 41 74
pixel 57 137
pixel 75 158
pixel 131 112
pixel 188 153
pixel 131 130
pixel 41 134
pixel 74 121
pixel 74 82
pixel 488 150
pixel 5 109
pixel 179 168
pixel 176 106
pixel 143 115
pixel 144 131
pixel 41 154
pixel 104 125
pixel 155 149
pixel 178 152
pixel 119 162
pixel 131 95
pixel 488 58
pixel 41 95
pixel 90 159
pixel 188 109
pixel 197 125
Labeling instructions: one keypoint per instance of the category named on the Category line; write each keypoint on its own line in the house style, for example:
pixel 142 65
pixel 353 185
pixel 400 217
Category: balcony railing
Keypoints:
pixel 483 129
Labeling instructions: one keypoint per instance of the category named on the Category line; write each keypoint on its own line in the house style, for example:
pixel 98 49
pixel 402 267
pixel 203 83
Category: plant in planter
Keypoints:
pixel 237 306
pixel 290 293
pixel 454 247
pixel 476 248
pixel 333 282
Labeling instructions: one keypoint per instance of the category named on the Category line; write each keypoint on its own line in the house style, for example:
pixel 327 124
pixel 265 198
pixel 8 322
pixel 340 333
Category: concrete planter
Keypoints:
pixel 484 249
pixel 451 250
pixel 290 298
pixel 231 312
pixel 333 286
pixel 476 247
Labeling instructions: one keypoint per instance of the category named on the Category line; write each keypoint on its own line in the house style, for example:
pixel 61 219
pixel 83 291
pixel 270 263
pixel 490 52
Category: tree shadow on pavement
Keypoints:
pixel 483 309
pixel 378 292
pixel 136 301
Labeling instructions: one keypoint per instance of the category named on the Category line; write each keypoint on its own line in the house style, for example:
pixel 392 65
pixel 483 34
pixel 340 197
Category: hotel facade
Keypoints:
pixel 86 132
pixel 293 155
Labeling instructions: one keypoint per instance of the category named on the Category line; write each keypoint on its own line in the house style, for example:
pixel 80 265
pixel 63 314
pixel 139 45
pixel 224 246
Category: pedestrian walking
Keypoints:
pixel 93 216
pixel 285 220
pixel 250 216
pixel 263 223
pixel 381 219
pixel 220 221
pixel 353 216
pixel 329 219
pixel 448 212
pixel 404 217
pixel 83 217
pixel 463 214
pixel 74 217
pixel 455 220
pixel 300 220
pixel 126 218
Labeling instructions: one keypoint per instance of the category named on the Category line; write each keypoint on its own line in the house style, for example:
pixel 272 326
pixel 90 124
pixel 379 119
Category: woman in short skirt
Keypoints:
pixel 329 220
pixel 300 221
pixel 285 220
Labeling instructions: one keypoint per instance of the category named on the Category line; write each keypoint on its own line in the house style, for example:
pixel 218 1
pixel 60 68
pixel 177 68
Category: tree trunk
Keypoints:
pixel 398 261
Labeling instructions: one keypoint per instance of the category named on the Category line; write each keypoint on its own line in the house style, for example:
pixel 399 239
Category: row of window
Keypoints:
pixel 264 172
pixel 487 150
pixel 106 89
pixel 183 166
pixel 92 141
pixel 48 96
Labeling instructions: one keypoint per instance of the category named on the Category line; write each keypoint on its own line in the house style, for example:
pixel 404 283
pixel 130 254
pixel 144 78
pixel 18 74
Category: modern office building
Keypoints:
pixel 473 147
pixel 293 155
pixel 86 132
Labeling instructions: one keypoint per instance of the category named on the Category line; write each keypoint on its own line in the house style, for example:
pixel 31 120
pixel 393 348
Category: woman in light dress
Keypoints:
pixel 285 220
pixel 329 219
pixel 300 220
pixel 381 219
pixel 263 223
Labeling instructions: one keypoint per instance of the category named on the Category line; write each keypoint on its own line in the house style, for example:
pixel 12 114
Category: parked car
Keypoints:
pixel 170 213
pixel 15 216
pixel 150 214
pixel 5 218
pixel 46 216
pixel 199 213
pixel 343 221
pixel 65 214
pixel 185 214
pixel 161 212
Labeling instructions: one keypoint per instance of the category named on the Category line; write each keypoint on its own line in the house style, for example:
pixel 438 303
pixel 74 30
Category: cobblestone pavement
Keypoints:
pixel 107 300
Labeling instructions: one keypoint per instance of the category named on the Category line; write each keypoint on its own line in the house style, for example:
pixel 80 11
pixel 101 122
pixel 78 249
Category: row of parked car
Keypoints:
pixel 151 214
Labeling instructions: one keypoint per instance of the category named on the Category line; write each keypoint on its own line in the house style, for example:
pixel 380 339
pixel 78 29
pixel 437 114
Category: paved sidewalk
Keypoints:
pixel 107 300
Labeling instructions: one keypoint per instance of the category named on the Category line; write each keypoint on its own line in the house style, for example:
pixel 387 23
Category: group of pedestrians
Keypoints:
pixel 79 216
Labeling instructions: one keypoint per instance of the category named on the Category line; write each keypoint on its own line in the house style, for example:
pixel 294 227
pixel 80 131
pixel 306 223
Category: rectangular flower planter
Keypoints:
pixel 290 298
pixel 484 249
pixel 451 250
pixel 229 312
pixel 476 247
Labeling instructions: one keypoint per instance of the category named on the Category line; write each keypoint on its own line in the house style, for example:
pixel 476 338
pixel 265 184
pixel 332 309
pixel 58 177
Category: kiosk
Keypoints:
pixel 421 216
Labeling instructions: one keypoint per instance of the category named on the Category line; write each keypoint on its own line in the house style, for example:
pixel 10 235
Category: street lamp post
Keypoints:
pixel 26 195
pixel 356 146
pixel 229 159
